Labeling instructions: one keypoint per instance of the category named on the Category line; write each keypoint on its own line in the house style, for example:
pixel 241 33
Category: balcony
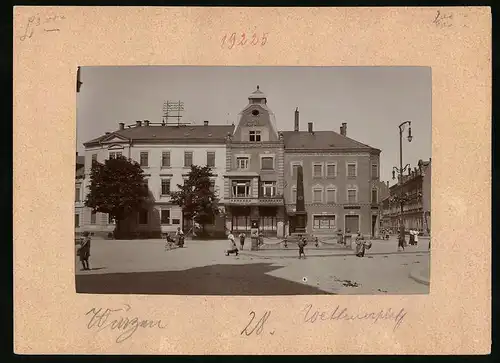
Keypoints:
pixel 276 200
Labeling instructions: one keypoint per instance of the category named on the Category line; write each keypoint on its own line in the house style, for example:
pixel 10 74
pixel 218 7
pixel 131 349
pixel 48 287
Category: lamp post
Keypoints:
pixel 400 171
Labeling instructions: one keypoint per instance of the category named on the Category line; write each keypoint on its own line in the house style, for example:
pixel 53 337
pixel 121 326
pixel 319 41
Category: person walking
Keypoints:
pixel 84 250
pixel 232 245
pixel 242 239
pixel 261 238
pixel 179 235
pixel 401 241
pixel 415 237
pixel 302 243
pixel 360 245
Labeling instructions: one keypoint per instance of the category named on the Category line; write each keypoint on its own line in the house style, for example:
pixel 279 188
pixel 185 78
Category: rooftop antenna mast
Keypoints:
pixel 173 109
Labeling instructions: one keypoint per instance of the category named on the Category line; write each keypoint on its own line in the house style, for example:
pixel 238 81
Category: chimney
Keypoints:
pixel 310 127
pixel 138 123
pixel 107 132
pixel 205 123
pixel 296 124
pixel 122 125
pixel 146 122
pixel 388 184
pixel 343 129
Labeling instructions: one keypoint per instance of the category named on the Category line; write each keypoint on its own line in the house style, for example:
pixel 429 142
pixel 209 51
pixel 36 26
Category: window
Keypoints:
pixel 93 217
pixel 267 163
pixel 114 155
pixel 241 188
pixel 188 159
pixel 176 221
pixel 212 185
pixel 165 159
pixel 317 195
pixel 211 159
pixel 144 158
pixel 165 186
pixel 295 167
pixel 374 170
pixel 110 219
pixel 294 194
pixel 94 158
pixel 317 170
pixel 254 136
pixel 77 220
pixel 331 170
pixel 165 216
pixel 352 195
pixel 242 162
pixel 324 222
pixel 331 195
pixel 351 170
pixel 374 195
pixel 143 217
pixel 77 194
pixel 268 189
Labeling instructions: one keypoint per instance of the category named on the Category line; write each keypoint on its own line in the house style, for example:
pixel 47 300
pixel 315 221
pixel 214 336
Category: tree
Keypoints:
pixel 196 197
pixel 118 188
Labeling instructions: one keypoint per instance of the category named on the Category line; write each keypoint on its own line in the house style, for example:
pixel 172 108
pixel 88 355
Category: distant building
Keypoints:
pixel 416 189
pixel 166 154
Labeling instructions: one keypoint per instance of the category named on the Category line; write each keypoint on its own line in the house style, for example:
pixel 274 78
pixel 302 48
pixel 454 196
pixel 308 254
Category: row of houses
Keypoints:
pixel 415 187
pixel 255 168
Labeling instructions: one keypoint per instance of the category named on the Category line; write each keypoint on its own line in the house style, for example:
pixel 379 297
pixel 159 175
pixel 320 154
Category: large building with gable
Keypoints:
pixel 255 166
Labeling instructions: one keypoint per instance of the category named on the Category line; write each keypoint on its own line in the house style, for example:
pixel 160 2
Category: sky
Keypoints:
pixel 373 101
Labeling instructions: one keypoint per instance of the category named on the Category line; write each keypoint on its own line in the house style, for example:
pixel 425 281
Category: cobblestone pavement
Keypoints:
pixel 202 268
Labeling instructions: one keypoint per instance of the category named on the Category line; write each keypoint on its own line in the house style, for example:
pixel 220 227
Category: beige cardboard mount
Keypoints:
pixel 49 44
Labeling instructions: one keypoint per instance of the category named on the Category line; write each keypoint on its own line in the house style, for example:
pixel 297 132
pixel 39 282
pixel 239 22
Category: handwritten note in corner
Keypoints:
pixel 45 24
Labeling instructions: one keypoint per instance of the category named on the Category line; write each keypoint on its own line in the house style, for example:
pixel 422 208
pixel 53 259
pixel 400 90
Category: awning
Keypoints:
pixel 268 177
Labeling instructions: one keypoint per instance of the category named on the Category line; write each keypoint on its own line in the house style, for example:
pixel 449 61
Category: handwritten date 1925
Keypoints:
pixel 233 40
pixel 257 327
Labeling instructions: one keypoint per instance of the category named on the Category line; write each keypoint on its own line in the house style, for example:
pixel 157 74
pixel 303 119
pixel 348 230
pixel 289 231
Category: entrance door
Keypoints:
pixel 374 224
pixel 352 223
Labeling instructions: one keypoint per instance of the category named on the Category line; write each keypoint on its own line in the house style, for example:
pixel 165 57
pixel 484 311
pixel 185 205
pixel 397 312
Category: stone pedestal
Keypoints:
pixel 254 237
pixel 300 222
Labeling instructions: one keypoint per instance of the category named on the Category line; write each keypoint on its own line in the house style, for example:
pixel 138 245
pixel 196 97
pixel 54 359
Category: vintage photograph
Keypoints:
pixel 197 180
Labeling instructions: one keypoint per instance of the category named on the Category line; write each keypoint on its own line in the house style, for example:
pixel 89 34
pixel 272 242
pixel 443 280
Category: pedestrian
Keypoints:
pixel 232 245
pixel 261 238
pixel 242 239
pixel 401 241
pixel 412 237
pixel 302 243
pixel 360 245
pixel 340 237
pixel 84 250
pixel 415 237
pixel 179 235
pixel 285 241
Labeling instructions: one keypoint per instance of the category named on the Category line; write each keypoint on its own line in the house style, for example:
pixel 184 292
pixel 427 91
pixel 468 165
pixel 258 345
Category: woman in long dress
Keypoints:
pixel 360 245
pixel 84 251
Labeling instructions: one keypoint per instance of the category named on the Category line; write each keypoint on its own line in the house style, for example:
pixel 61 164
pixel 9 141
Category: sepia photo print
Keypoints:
pixel 253 180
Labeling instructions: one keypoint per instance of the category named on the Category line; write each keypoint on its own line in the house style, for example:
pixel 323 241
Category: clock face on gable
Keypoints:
pixel 255 112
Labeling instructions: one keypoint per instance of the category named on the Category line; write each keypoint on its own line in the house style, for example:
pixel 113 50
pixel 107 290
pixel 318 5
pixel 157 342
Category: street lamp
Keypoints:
pixel 400 171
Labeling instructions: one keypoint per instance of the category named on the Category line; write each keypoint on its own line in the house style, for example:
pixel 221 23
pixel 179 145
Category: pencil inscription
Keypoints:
pixel 46 23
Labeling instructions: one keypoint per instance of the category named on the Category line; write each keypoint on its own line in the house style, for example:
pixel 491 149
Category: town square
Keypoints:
pixel 256 201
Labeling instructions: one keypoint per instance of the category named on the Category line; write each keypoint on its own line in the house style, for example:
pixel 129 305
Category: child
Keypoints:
pixel 242 239
pixel 302 243
pixel 84 251
pixel 232 245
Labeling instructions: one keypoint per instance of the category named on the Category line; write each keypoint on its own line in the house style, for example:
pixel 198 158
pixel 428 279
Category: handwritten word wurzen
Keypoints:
pixel 233 40
pixel 312 315
pixel 48 24
pixel 101 319
pixel 257 327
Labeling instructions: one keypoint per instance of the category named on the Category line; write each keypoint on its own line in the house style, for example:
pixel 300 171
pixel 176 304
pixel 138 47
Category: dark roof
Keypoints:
pixel 325 140
pixel 187 132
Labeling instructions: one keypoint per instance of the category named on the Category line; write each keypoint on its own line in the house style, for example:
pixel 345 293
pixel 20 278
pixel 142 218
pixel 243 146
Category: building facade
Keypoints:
pixel 165 154
pixel 255 167
pixel 253 183
pixel 416 191
pixel 341 180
